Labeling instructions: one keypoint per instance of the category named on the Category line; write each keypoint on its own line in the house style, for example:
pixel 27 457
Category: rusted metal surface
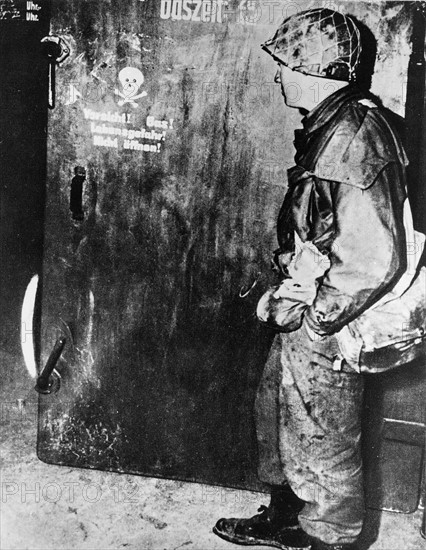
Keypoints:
pixel 161 375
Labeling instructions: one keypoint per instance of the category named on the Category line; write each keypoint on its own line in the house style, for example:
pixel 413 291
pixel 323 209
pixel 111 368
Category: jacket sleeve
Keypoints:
pixel 367 254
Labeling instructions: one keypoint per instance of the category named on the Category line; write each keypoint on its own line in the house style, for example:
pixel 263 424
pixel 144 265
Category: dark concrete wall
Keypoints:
pixel 23 134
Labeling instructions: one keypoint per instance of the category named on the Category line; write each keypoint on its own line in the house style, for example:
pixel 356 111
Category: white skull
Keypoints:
pixel 131 79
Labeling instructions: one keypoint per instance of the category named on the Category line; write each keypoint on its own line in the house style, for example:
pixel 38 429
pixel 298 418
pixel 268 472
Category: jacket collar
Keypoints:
pixel 327 109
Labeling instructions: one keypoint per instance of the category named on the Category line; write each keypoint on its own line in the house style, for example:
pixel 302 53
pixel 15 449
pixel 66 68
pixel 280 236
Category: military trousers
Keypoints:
pixel 308 422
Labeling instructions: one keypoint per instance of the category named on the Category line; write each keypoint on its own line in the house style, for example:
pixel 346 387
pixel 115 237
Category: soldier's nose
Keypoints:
pixel 277 77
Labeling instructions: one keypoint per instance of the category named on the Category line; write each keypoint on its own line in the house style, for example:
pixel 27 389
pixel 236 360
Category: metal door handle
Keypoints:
pixel 49 381
pixel 56 50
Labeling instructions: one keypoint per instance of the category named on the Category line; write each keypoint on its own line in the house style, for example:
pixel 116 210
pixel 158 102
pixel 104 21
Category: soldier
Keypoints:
pixel 345 198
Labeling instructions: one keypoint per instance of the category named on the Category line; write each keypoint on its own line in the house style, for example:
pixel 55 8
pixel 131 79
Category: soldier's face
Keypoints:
pixel 303 91
pixel 294 87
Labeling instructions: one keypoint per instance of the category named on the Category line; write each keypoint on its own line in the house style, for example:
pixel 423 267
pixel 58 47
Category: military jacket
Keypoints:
pixel 346 195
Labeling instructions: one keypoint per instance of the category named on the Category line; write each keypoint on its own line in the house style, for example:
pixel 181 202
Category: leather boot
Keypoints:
pixel 266 528
pixel 287 538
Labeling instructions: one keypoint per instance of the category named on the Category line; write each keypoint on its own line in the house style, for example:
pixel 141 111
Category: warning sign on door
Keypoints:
pixel 118 131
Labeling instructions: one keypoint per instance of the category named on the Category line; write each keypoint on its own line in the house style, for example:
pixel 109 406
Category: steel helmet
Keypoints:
pixel 318 42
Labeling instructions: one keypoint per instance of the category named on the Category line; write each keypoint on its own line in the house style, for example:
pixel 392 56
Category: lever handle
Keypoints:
pixel 56 50
pixel 46 379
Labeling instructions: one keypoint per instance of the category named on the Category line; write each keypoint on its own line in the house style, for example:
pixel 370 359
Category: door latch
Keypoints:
pixel 49 379
pixel 56 50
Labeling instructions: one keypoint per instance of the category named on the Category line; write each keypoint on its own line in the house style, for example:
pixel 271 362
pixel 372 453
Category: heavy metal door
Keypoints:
pixel 160 217
pixel 167 154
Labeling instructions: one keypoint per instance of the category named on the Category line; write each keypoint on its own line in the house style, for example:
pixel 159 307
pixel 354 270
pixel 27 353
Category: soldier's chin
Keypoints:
pixel 290 103
pixel 295 105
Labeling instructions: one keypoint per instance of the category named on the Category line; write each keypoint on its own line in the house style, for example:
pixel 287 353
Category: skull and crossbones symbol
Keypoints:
pixel 131 80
